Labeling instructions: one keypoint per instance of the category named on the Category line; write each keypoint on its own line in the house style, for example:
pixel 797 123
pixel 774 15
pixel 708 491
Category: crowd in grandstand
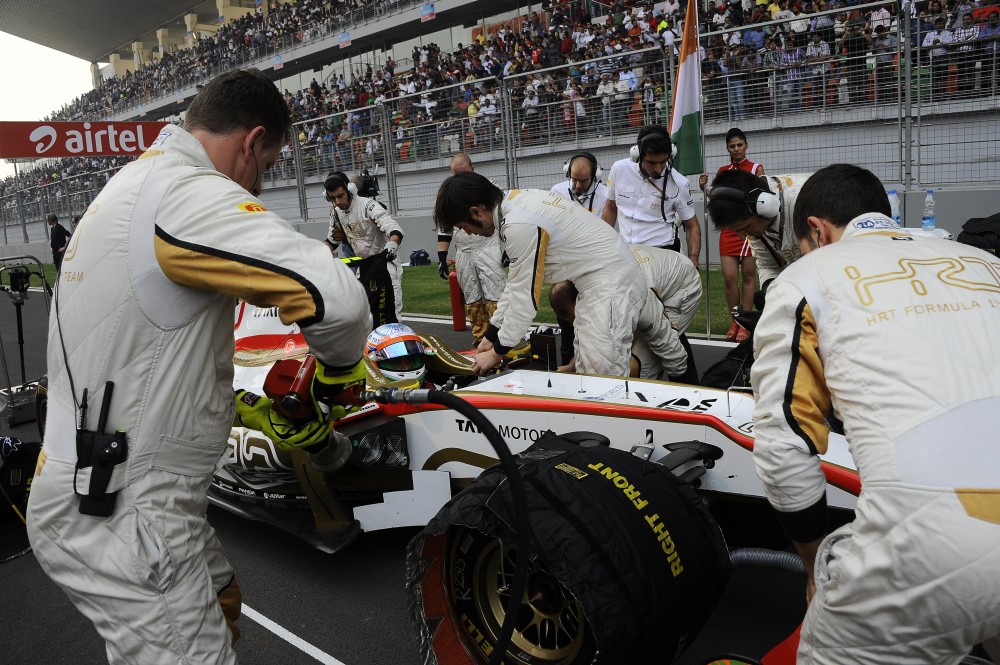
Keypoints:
pixel 757 56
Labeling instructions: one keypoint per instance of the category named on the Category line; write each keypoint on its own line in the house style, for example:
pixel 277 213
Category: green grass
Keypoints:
pixel 424 292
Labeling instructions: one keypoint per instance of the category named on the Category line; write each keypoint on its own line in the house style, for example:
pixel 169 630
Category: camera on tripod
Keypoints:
pixel 20 278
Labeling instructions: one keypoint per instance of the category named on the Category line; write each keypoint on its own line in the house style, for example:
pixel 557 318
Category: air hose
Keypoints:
pixel 521 523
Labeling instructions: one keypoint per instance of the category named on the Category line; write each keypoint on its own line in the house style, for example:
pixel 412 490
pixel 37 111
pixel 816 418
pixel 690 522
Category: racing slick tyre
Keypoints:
pixel 625 567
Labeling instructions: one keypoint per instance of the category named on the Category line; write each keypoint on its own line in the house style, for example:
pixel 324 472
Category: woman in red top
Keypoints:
pixel 734 253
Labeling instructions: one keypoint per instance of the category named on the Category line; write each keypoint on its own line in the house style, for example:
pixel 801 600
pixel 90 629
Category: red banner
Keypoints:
pixel 76 139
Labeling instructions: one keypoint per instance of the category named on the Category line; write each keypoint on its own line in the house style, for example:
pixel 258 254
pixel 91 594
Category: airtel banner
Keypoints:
pixel 76 139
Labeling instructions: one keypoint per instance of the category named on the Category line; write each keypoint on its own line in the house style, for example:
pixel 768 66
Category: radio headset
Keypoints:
pixel 759 201
pixel 596 170
pixel 95 450
pixel 646 137
pixel 337 180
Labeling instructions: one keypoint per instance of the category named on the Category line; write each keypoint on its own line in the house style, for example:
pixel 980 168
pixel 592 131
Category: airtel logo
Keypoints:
pixel 102 141
pixel 43 132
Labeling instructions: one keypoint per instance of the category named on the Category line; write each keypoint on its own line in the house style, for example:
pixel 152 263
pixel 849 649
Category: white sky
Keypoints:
pixel 36 81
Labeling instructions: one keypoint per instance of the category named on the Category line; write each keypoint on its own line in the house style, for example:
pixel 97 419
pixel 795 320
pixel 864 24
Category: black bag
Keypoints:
pixel 420 257
pixel 374 276
pixel 982 232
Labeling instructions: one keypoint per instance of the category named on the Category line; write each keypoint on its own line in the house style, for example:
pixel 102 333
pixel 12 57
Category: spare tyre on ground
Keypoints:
pixel 626 563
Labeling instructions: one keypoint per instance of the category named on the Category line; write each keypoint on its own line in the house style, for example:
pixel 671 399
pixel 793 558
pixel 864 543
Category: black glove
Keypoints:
pixel 443 264
pixel 504 259
pixel 746 319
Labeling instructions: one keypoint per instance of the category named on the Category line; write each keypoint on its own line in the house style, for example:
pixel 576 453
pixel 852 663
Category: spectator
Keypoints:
pixel 886 47
pixel 937 41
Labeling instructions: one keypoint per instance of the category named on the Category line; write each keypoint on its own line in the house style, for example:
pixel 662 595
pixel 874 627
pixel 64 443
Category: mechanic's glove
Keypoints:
pixel 391 249
pixel 339 389
pixel 443 264
pixel 255 412
pixel 746 319
pixel 504 259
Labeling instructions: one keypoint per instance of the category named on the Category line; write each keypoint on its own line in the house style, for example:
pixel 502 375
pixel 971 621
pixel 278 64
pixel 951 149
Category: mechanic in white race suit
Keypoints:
pixel 478 265
pixel 368 228
pixel 759 209
pixel 145 300
pixel 672 296
pixel 647 198
pixel 892 335
pixel 549 240
pixel 676 285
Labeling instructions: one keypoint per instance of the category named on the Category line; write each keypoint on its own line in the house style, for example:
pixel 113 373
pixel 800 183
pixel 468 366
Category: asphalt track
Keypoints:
pixel 301 605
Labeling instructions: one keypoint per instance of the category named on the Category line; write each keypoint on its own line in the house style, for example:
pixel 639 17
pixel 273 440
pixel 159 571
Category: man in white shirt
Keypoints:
pixel 646 197
pixel 938 40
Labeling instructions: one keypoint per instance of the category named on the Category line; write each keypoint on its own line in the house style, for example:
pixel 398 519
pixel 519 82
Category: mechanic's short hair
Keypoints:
pixel 460 192
pixel 839 193
pixel 241 99
pixel 726 212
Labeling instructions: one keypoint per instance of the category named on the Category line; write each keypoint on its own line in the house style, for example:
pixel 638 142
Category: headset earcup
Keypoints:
pixel 566 165
pixel 352 189
pixel 598 173
pixel 765 204
pixel 633 153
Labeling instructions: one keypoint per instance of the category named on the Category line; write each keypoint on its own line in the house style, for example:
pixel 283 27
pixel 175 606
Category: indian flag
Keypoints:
pixel 685 119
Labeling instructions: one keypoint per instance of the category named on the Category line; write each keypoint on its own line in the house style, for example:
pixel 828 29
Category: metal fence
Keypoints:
pixel 891 101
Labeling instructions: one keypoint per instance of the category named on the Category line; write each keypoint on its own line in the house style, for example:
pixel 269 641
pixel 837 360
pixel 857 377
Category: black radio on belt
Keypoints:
pixel 100 453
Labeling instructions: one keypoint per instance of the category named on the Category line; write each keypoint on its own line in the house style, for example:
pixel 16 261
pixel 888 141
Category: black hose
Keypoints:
pixel 521 524
pixel 757 557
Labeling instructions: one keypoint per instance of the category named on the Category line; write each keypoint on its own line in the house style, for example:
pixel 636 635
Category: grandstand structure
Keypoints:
pixel 388 86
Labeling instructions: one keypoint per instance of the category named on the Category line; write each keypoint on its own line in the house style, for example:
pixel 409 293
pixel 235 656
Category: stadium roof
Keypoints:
pixel 93 29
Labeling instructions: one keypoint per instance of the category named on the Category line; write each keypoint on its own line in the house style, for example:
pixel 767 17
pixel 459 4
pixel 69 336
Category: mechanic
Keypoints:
pixel 913 376
pixel 550 240
pixel 758 209
pixel 171 242
pixel 584 188
pixel 398 353
pixel 478 265
pixel 368 228
pixel 674 291
pixel 646 196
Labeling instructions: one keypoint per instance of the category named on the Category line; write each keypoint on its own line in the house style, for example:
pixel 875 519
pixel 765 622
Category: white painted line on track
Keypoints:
pixel 289 637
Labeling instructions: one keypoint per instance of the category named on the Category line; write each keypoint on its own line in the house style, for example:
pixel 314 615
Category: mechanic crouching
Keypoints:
pixel 141 373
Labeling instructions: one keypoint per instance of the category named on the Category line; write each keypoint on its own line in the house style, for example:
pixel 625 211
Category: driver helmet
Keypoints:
pixel 397 351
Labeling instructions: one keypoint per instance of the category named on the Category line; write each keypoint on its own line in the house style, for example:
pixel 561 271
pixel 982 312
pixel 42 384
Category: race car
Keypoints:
pixel 411 464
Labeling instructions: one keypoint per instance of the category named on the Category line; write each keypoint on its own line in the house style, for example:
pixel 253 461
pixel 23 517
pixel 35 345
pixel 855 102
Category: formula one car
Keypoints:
pixel 406 461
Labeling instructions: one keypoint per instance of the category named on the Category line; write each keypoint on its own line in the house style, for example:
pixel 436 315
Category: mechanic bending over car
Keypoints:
pixel 891 335
pixel 367 226
pixel 549 239
pixel 145 303
pixel 674 291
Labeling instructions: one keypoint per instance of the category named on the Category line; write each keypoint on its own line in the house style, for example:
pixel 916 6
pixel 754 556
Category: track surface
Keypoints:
pixel 302 606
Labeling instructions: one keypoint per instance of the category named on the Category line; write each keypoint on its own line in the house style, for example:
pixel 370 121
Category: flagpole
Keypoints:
pixel 686 121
